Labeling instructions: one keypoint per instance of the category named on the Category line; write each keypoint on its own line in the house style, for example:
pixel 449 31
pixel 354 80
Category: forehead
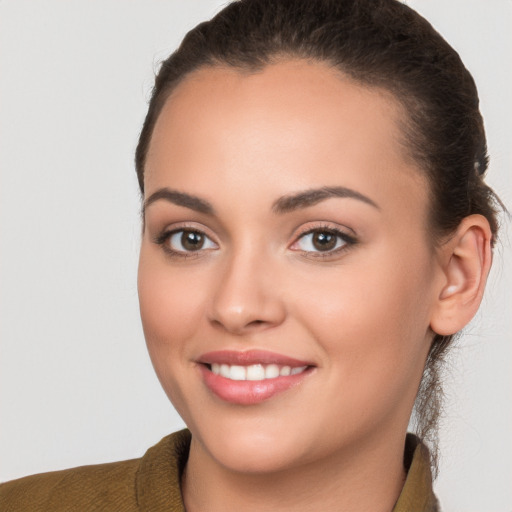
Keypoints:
pixel 294 124
pixel 290 96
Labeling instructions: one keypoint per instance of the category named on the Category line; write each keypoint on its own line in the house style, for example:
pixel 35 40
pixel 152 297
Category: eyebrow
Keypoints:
pixel 180 199
pixel 311 197
pixel 284 204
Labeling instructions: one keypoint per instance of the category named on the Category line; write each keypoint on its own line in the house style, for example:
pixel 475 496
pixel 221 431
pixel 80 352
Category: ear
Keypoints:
pixel 465 263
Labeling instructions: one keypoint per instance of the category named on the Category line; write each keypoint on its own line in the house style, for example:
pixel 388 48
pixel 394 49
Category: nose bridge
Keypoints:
pixel 245 298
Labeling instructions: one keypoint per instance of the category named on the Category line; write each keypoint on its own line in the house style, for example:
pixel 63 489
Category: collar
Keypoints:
pixel 417 494
pixel 159 474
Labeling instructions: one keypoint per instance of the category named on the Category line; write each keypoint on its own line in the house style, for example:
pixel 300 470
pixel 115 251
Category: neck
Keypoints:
pixel 358 479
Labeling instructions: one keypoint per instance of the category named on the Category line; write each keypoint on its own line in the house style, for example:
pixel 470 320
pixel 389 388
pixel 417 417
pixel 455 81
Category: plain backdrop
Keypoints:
pixel 76 384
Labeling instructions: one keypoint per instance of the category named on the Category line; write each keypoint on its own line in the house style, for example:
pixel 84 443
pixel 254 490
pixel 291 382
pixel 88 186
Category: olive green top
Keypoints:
pixel 152 483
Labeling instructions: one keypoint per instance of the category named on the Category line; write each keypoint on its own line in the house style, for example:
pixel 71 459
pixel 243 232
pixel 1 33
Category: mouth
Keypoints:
pixel 251 377
pixel 254 371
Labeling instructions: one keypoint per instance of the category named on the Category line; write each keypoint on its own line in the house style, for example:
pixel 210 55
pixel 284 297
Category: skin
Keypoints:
pixel 361 315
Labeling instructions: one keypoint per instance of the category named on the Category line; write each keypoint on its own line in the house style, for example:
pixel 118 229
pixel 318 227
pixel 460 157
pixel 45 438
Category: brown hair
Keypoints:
pixel 378 43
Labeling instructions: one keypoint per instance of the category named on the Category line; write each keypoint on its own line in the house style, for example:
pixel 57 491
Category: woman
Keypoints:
pixel 316 228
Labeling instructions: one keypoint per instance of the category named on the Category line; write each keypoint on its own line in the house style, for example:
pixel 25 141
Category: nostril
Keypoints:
pixel 255 323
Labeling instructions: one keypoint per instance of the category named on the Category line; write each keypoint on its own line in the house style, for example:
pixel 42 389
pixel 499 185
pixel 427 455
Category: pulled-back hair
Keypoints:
pixel 377 43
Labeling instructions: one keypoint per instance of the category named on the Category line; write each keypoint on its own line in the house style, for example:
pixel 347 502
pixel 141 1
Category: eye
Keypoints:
pixel 323 240
pixel 183 241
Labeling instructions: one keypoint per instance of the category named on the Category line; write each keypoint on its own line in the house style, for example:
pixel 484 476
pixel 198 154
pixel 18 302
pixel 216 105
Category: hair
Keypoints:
pixel 377 43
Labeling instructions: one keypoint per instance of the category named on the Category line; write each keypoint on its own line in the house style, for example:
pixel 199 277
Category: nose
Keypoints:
pixel 246 298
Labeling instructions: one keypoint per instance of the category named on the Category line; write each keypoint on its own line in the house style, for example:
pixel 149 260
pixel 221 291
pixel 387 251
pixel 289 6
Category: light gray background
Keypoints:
pixel 76 384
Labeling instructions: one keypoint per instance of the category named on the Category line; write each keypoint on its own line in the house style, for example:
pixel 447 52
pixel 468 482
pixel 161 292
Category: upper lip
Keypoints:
pixel 250 357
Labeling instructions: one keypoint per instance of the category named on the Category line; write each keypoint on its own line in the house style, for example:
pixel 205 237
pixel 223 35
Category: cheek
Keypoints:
pixel 371 322
pixel 171 311
pixel 170 305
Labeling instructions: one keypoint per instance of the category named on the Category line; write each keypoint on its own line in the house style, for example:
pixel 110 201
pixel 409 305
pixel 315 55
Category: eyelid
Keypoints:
pixel 185 226
pixel 311 227
pixel 163 236
pixel 338 230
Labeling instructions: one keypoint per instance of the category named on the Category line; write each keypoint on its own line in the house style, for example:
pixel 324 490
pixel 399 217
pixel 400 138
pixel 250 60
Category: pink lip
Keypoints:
pixel 248 392
pixel 248 357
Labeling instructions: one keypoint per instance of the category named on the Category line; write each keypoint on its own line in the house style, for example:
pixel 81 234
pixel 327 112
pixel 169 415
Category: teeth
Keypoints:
pixel 272 371
pixel 255 371
pixel 224 370
pixel 237 373
pixel 285 371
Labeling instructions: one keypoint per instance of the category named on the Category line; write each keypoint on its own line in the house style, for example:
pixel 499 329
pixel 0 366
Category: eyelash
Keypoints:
pixel 348 241
pixel 164 237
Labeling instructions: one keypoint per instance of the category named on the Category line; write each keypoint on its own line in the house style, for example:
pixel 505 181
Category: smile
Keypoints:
pixel 251 377
pixel 255 371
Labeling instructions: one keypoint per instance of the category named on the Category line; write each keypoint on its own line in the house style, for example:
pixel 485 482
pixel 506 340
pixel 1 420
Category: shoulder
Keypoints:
pixel 94 487
pixel 116 486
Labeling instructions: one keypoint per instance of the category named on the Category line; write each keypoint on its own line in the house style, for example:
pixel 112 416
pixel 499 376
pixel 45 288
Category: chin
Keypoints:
pixel 250 450
pixel 243 458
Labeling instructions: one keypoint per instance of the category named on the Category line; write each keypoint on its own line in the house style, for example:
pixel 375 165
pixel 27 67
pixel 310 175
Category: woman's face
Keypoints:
pixel 286 279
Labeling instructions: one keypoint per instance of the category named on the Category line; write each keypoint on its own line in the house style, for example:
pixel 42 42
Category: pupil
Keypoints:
pixel 192 241
pixel 324 241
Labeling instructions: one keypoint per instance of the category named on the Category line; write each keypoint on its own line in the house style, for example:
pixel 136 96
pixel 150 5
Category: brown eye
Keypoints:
pixel 192 240
pixel 324 241
pixel 187 240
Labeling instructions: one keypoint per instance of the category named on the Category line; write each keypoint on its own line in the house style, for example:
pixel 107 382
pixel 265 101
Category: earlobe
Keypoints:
pixel 466 261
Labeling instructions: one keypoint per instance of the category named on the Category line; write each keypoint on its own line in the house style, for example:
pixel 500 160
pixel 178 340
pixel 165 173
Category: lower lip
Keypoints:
pixel 249 392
